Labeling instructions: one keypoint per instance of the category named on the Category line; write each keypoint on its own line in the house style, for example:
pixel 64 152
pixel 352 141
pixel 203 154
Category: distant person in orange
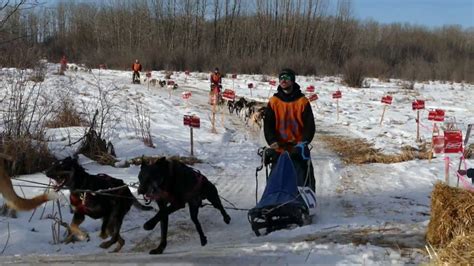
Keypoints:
pixel 216 86
pixel 216 80
pixel 136 68
pixel 63 64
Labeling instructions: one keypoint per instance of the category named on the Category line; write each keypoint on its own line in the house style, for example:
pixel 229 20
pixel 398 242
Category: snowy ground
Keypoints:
pixel 368 214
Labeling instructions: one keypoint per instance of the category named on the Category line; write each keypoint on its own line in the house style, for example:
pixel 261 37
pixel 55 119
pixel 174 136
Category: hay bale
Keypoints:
pixel 452 214
pixel 459 251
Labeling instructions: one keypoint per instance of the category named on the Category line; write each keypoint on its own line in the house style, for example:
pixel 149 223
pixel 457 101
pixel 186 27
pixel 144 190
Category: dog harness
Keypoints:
pixel 79 202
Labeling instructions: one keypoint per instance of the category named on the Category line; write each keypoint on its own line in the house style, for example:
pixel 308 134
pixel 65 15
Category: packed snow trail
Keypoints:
pixel 374 204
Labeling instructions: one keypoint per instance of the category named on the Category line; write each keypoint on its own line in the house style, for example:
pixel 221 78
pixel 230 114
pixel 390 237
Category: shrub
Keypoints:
pixel 354 72
pixel 66 116
pixel 29 155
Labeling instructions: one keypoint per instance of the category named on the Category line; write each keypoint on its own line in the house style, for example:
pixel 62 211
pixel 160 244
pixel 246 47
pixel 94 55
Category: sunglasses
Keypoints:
pixel 285 77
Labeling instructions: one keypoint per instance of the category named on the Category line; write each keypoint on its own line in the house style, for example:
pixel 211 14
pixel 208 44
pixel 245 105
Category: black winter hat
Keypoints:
pixel 470 173
pixel 289 72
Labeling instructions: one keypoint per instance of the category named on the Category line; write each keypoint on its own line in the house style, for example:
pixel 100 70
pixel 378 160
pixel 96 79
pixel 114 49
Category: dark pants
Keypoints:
pixel 301 168
pixel 136 76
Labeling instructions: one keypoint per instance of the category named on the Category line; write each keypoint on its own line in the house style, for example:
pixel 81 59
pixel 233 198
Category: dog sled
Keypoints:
pixel 288 199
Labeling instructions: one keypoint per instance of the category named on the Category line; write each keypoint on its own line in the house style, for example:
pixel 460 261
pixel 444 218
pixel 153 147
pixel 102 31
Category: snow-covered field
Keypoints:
pixel 367 214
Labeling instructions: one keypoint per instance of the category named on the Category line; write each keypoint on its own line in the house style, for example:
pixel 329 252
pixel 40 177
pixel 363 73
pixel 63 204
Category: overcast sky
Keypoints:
pixel 431 13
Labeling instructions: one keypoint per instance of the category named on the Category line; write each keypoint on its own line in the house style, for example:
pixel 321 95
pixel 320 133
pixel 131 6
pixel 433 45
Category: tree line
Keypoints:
pixel 257 36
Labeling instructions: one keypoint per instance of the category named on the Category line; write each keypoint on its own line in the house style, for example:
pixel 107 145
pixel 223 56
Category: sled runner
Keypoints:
pixel 287 199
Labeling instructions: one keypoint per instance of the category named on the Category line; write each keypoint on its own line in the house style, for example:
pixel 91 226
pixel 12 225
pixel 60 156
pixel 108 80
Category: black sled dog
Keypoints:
pixel 111 206
pixel 173 184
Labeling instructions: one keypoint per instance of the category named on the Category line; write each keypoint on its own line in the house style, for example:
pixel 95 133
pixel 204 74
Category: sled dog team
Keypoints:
pixel 169 182
pixel 288 118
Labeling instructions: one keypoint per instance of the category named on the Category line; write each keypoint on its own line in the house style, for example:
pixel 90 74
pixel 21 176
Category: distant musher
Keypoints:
pixel 136 68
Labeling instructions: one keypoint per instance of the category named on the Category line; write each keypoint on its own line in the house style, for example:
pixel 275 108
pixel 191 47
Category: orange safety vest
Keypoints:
pixel 288 118
pixel 136 67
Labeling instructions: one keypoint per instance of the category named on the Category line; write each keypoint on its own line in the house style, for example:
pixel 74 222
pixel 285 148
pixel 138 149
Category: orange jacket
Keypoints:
pixel 289 118
pixel 136 67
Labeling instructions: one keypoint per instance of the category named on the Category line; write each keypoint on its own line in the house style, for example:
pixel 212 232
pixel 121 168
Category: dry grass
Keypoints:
pixel 67 116
pixel 28 155
pixel 359 151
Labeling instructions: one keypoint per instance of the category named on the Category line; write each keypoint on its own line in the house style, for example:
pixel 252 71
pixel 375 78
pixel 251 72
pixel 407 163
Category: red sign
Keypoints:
pixel 438 144
pixel 186 72
pixel 228 95
pixel 310 88
pixel 436 115
pixel 187 120
pixel 387 99
pixel 452 141
pixel 272 82
pixel 337 95
pixel 170 82
pixel 186 95
pixel 312 97
pixel 192 121
pixel 418 105
pixel 103 66
pixel 234 76
pixel 195 122
pixel 250 85
pixel 148 74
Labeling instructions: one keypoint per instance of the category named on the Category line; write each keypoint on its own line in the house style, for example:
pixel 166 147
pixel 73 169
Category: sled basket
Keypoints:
pixel 281 204
pixel 274 218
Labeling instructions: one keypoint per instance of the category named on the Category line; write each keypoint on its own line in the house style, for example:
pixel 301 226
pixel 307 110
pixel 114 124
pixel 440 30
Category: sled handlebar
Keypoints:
pixel 301 149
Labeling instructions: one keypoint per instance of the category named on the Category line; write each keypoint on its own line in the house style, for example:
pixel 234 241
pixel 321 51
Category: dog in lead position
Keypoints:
pixel 173 184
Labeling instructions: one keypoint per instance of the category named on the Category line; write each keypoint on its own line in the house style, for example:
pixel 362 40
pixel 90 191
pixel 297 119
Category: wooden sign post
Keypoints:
pixel 272 84
pixel 466 141
pixel 228 95
pixel 250 86
pixel 170 84
pixel 214 99
pixel 234 76
pixel 148 77
pixel 186 73
pixel 186 95
pixel 452 144
pixel 312 98
pixel 192 121
pixel 418 105
pixel 337 95
pixel 386 100
pixel 437 141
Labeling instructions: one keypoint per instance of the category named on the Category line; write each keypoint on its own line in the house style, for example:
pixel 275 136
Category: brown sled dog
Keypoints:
pixel 18 203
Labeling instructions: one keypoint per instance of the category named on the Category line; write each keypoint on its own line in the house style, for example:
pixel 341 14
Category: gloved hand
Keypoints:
pixel 302 150
pixel 274 145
